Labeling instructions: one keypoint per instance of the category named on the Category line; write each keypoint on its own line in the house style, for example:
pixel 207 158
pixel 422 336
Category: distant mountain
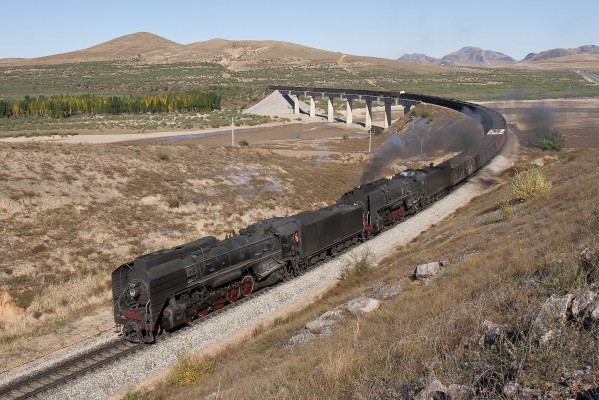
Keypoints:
pixel 466 56
pixel 560 52
pixel 475 56
pixel 418 57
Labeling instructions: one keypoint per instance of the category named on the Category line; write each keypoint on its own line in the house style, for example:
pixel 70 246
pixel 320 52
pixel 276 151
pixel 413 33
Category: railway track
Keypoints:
pixel 60 373
pixel 63 371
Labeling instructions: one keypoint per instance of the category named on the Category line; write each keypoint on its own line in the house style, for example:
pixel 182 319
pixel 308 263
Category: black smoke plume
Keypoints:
pixel 422 138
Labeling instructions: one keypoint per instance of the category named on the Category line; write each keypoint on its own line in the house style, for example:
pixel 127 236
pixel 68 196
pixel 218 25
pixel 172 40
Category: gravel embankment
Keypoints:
pixel 125 373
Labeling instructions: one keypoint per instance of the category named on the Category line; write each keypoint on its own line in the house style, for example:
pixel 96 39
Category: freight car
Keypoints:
pixel 169 288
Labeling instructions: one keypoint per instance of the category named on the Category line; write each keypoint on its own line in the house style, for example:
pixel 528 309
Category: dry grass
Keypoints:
pixel 188 370
pixel 70 214
pixel 499 269
pixel 529 183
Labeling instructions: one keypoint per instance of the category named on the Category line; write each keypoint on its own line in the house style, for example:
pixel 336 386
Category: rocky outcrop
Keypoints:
pixel 428 270
pixel 551 318
pixel 362 305
pixel 582 308
pixel 585 309
pixel 325 323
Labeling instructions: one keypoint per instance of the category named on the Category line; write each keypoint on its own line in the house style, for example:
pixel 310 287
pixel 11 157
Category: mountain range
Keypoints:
pixel 145 47
pixel 475 56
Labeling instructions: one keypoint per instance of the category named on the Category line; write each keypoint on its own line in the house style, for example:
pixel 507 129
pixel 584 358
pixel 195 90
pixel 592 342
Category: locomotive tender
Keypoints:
pixel 171 287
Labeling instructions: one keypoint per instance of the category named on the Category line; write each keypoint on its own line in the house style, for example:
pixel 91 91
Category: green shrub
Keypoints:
pixel 550 139
pixel 173 202
pixel 24 300
pixel 244 143
pixel 416 113
pixel 528 184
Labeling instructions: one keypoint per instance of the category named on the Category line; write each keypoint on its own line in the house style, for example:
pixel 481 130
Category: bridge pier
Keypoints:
pixel 387 122
pixel 348 113
pixel 331 112
pixel 295 104
pixel 368 122
pixel 312 107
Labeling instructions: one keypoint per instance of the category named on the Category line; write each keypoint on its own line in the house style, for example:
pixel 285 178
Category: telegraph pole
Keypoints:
pixel 232 132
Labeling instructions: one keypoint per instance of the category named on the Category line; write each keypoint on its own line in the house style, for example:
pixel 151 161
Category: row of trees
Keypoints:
pixel 64 106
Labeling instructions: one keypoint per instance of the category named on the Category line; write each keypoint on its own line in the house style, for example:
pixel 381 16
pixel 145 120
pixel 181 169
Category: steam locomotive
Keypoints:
pixel 169 288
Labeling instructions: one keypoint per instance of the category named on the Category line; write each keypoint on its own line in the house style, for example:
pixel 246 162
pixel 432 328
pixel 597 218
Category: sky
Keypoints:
pixel 377 28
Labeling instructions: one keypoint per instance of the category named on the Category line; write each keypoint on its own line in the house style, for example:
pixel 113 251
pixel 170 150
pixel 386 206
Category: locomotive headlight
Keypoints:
pixel 134 293
pixel 134 290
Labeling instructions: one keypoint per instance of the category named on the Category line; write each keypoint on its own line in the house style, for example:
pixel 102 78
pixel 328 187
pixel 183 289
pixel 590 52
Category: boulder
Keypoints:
pixel 585 308
pixel 362 305
pixel 551 317
pixel 427 270
pixel 581 302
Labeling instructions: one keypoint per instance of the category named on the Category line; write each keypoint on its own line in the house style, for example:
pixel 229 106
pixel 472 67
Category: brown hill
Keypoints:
pixel 149 48
pixel 136 46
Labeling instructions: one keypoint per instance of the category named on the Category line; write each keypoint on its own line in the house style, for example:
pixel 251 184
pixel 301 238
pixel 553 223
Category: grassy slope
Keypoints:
pixel 501 268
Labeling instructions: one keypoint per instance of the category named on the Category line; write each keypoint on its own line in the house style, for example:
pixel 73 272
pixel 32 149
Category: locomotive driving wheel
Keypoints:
pixel 219 303
pixel 204 311
pixel 233 293
pixel 247 285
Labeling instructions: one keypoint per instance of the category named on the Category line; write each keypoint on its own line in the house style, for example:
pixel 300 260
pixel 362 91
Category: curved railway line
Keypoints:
pixel 63 371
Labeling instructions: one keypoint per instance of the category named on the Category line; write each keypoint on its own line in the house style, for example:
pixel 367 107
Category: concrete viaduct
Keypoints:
pixel 349 95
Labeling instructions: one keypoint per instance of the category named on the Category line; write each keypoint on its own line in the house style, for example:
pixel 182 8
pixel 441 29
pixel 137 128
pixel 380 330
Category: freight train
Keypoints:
pixel 169 288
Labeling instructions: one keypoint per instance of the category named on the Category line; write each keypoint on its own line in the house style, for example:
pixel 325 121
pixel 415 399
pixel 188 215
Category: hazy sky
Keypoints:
pixel 378 28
